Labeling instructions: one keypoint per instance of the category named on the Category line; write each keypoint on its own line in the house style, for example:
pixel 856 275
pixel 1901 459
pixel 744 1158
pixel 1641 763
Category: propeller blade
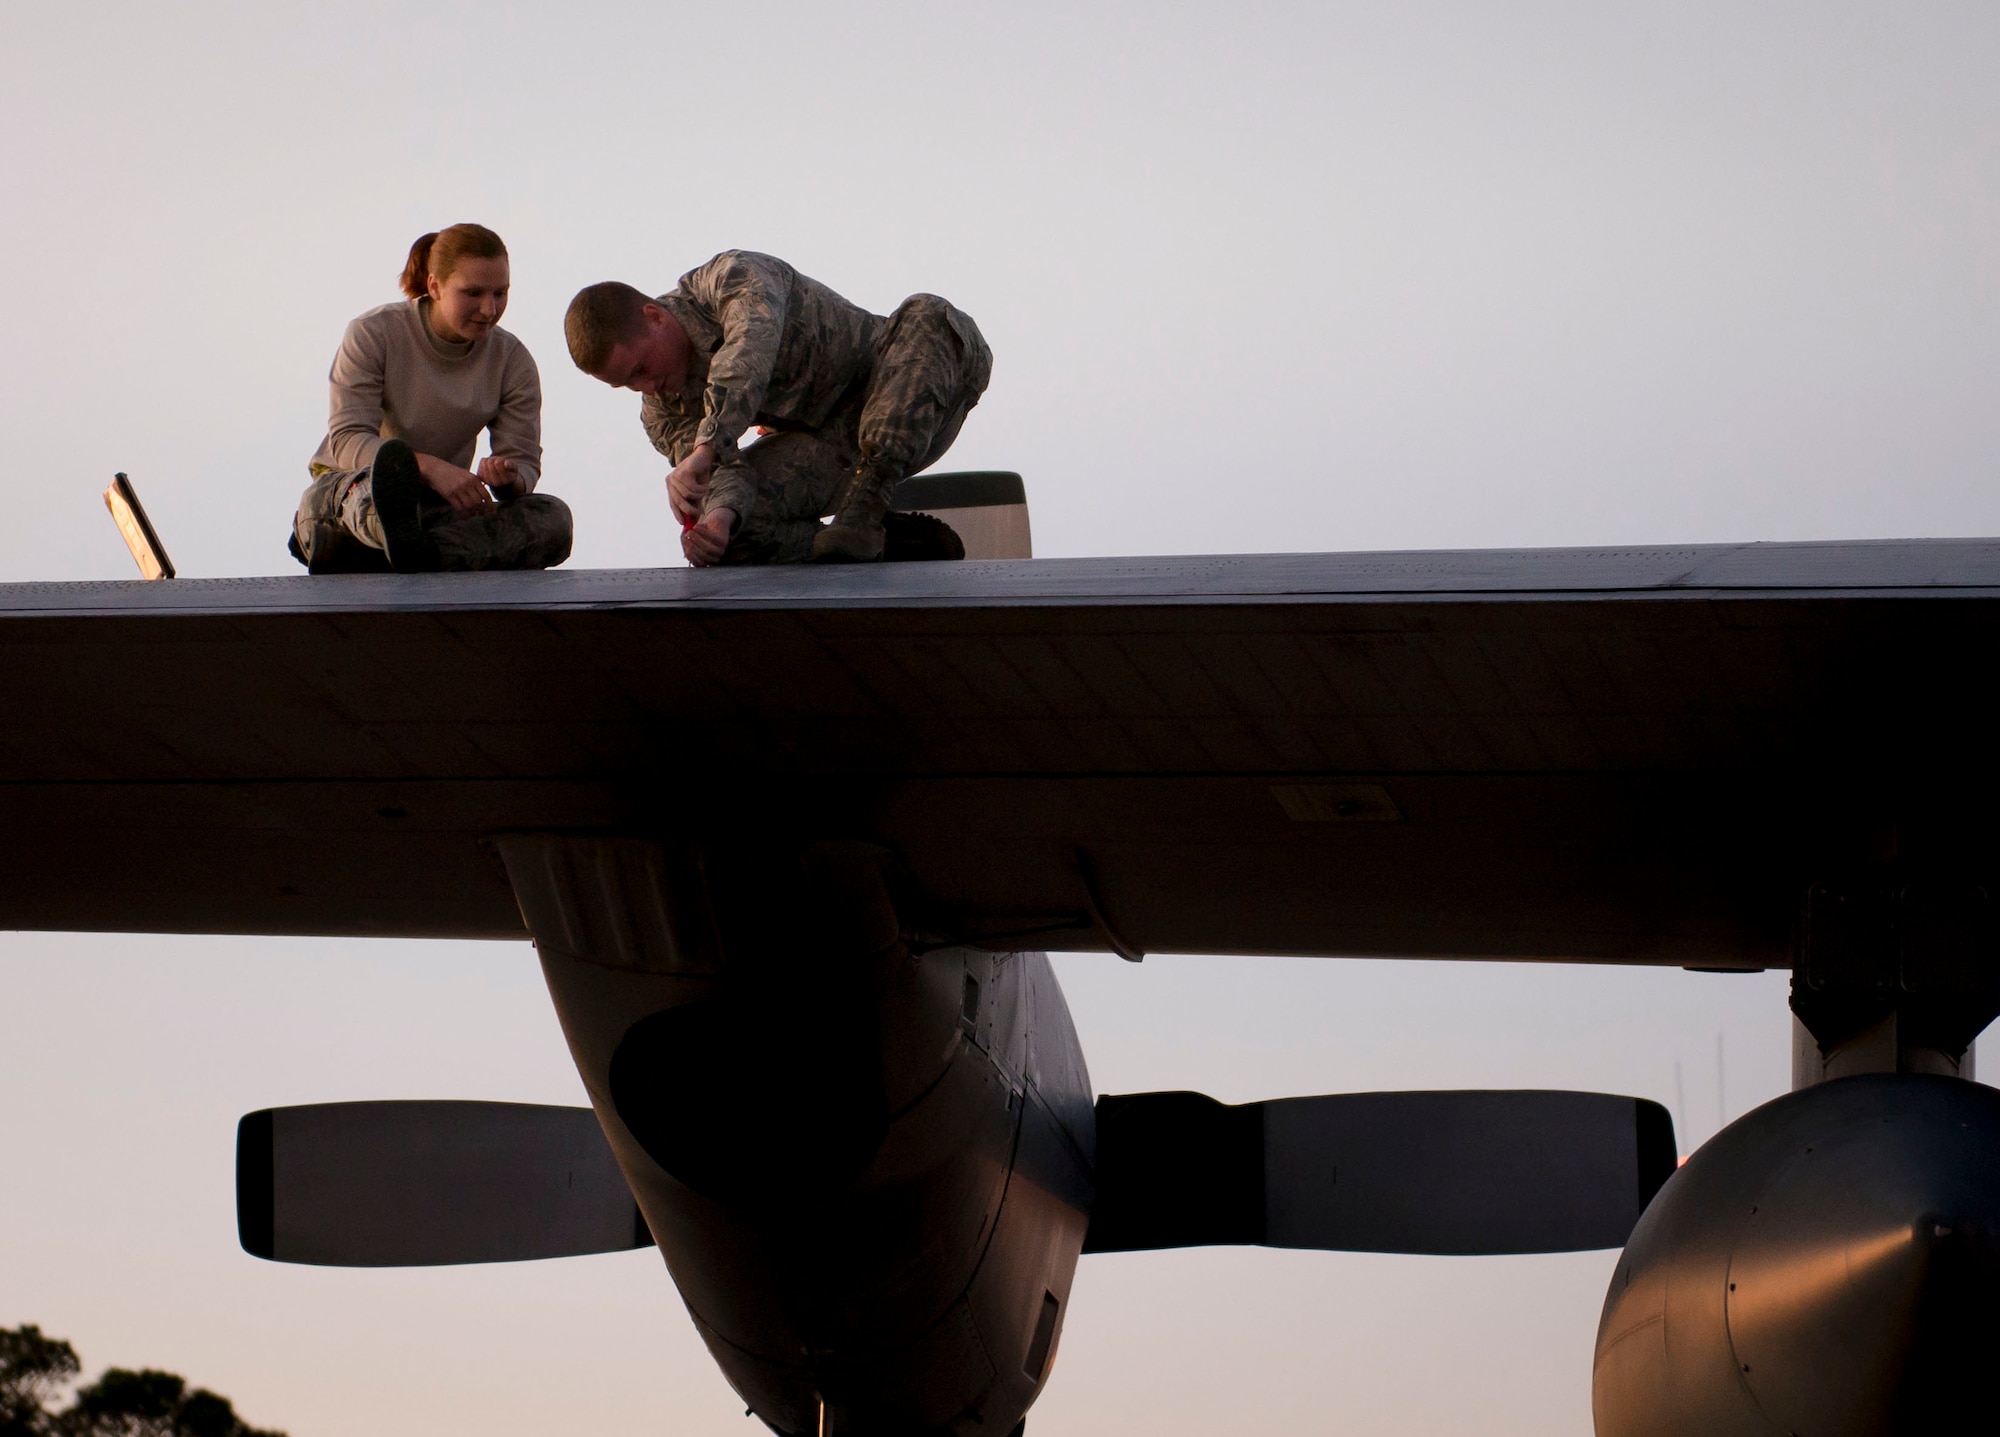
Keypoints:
pixel 1426 1172
pixel 424 1184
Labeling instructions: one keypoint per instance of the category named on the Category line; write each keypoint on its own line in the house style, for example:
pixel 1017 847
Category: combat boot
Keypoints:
pixel 400 495
pixel 918 537
pixel 855 535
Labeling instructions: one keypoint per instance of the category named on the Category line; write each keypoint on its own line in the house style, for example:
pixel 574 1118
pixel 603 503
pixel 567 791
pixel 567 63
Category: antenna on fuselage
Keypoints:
pixel 140 537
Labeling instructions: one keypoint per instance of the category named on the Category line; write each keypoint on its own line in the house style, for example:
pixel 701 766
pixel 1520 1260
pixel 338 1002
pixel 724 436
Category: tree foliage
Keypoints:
pixel 34 1370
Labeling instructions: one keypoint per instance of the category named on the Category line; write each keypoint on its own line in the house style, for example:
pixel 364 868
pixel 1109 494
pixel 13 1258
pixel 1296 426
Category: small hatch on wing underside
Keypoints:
pixel 1037 1365
pixel 1336 803
pixel 968 1011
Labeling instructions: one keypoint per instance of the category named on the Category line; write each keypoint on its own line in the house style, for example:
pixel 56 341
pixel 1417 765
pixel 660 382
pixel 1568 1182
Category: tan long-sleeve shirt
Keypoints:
pixel 393 378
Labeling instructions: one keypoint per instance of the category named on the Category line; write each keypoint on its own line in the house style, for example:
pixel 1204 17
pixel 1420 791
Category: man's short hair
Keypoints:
pixel 602 317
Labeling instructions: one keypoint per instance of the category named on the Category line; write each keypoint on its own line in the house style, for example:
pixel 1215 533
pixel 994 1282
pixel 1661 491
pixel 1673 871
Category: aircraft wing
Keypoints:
pixel 1633 755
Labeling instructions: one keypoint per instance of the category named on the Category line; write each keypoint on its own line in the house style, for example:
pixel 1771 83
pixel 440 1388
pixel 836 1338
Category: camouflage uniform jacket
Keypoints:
pixel 771 347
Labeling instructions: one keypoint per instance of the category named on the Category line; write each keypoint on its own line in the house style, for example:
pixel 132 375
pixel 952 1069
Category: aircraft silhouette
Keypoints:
pixel 792 843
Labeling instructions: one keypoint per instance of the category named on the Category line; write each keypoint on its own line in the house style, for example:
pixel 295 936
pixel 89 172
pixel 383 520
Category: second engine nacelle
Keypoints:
pixel 1826 1266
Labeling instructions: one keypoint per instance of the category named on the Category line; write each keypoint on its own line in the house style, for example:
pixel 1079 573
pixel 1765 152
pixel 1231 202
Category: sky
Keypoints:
pixel 1257 277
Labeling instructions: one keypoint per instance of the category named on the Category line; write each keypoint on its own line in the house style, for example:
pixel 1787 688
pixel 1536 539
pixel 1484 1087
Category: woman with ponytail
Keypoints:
pixel 414 384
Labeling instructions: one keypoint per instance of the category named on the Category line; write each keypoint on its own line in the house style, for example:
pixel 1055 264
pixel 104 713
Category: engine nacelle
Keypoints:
pixel 1826 1266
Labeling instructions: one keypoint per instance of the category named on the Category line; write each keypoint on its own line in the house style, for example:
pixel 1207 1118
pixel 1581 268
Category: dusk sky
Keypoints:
pixel 1257 278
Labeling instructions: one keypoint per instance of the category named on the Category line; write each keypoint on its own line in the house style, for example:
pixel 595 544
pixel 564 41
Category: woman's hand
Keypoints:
pixel 458 487
pixel 687 486
pixel 502 476
pixel 704 543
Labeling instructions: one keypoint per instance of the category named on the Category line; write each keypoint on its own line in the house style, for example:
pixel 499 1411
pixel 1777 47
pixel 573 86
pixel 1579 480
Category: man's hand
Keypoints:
pixel 687 486
pixel 704 543
pixel 502 476
pixel 458 487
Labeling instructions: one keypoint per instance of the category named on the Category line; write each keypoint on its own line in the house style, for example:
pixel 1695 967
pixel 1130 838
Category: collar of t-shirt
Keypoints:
pixel 444 348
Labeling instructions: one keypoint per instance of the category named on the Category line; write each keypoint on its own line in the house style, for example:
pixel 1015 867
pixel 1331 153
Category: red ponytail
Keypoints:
pixel 417 268
pixel 439 252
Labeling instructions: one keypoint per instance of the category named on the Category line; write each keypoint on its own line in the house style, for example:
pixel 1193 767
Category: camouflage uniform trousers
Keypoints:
pixel 931 365
pixel 338 509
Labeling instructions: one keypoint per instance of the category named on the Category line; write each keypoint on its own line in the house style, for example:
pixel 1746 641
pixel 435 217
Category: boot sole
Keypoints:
pixel 399 491
pixel 908 536
pixel 836 545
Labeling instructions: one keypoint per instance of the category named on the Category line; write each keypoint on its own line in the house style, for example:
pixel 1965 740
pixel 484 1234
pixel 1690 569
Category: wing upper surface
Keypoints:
pixel 1634 755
